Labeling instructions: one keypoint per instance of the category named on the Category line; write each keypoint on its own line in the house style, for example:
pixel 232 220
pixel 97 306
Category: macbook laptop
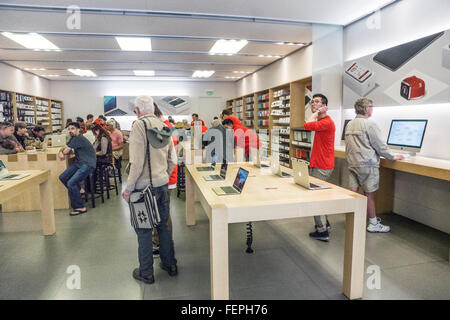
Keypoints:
pixel 301 176
pixel 237 187
pixel 5 175
pixel 218 177
pixel 212 167
pixel 256 159
pixel 276 168
pixel 58 140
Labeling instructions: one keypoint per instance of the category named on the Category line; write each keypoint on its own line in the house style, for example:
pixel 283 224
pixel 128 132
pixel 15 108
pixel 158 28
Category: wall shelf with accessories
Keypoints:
pixel 15 106
pixel 43 114
pixel 6 106
pixel 25 108
pixel 239 109
pixel 57 118
pixel 281 108
pixel 301 143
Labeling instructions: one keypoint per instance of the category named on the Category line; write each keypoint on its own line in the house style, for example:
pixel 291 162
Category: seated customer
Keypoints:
pixel 89 135
pixel 8 143
pixel 76 173
pixel 37 133
pixel 35 138
pixel 20 132
pixel 116 138
pixel 102 145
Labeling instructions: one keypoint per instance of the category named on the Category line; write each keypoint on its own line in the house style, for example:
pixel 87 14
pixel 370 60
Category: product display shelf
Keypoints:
pixel 286 113
pixel 6 106
pixel 25 108
pixel 56 118
pixel 43 113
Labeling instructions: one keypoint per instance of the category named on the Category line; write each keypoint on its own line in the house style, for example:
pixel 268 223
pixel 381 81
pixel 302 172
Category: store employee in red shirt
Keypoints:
pixel 322 155
pixel 196 118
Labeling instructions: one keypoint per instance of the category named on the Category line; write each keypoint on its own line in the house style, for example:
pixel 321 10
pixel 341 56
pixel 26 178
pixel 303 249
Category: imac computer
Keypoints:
pixel 407 135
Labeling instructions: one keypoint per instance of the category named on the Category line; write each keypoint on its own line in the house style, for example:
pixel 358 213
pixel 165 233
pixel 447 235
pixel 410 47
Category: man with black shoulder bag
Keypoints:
pixel 152 159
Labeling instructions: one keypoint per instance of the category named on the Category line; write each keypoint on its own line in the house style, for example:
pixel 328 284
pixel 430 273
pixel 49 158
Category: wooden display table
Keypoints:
pixel 268 197
pixel 41 160
pixel 15 189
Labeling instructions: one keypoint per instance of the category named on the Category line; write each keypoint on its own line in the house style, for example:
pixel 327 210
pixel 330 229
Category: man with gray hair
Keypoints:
pixel 162 162
pixel 363 148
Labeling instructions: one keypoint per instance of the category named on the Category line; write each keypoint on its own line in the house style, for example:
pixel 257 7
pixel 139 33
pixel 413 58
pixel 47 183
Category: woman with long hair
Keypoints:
pixel 102 145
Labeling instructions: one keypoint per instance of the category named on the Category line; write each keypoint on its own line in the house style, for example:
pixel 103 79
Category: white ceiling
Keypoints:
pixel 180 43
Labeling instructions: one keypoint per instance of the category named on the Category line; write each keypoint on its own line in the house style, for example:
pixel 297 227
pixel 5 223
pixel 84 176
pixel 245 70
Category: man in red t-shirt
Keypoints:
pixel 322 155
pixel 196 118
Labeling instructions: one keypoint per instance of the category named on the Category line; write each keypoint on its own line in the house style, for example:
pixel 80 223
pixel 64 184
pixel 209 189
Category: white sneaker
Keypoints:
pixel 378 227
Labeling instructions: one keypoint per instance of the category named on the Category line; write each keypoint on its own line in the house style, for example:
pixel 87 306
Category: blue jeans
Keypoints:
pixel 71 178
pixel 144 236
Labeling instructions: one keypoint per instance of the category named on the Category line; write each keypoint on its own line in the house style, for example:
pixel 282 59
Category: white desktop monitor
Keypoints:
pixel 407 135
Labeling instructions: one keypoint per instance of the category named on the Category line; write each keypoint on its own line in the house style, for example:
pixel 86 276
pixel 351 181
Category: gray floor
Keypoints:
pixel 286 263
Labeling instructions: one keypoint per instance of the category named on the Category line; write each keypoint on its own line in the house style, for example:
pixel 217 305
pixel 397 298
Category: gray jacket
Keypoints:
pixel 162 161
pixel 363 144
pixel 8 151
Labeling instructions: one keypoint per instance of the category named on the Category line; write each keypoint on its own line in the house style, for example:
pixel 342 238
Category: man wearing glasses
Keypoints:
pixel 322 155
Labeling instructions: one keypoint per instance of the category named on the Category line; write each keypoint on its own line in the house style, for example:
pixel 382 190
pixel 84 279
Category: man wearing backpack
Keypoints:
pixel 163 160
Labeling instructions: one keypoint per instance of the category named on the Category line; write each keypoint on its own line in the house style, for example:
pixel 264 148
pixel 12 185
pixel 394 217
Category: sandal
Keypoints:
pixel 77 212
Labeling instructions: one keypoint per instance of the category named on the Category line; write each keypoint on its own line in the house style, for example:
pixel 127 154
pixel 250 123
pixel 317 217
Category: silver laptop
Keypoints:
pixel 276 168
pixel 256 159
pixel 237 187
pixel 58 140
pixel 5 175
pixel 301 176
pixel 218 177
pixel 212 167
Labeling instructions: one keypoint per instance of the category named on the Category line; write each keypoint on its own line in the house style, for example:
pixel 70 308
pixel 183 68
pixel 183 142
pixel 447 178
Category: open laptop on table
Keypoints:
pixel 218 177
pixel 5 175
pixel 301 176
pixel 210 168
pixel 257 160
pixel 237 187
pixel 58 140
pixel 276 168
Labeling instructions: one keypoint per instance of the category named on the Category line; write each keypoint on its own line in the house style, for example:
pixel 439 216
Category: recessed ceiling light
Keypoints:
pixel 232 77
pixel 135 44
pixel 228 46
pixel 35 69
pixel 31 41
pixel 51 75
pixel 144 72
pixel 203 73
pixel 82 73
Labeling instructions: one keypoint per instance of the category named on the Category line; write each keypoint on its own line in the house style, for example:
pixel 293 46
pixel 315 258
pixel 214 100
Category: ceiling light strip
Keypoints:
pixel 153 36
pixel 153 51
pixel 135 61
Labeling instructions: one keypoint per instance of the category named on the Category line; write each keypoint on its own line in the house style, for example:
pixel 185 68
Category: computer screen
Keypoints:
pixel 109 103
pixel 407 133
pixel 343 130
pixel 241 177
pixel 223 169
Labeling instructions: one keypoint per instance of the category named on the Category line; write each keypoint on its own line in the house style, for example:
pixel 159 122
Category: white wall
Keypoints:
pixel 13 79
pixel 294 67
pixel 83 97
pixel 401 22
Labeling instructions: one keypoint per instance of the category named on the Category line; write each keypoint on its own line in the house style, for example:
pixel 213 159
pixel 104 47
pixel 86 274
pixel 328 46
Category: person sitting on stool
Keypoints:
pixel 85 164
